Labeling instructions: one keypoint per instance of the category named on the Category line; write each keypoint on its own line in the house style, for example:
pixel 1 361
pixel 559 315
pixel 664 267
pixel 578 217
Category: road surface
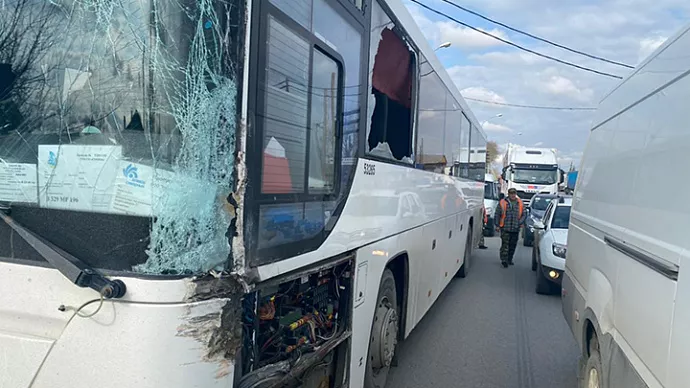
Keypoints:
pixel 490 330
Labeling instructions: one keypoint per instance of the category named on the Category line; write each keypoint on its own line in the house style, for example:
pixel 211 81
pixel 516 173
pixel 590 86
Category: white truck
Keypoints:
pixel 530 170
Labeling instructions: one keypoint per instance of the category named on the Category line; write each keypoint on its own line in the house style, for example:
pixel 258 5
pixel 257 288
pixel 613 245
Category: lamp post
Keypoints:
pixel 443 45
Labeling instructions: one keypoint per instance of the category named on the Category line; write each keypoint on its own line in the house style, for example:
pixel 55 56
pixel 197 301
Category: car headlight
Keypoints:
pixel 559 250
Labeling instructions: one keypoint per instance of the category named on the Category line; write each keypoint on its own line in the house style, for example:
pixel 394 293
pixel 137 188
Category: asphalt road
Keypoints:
pixel 490 330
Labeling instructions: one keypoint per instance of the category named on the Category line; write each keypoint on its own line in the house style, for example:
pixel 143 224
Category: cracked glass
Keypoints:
pixel 117 130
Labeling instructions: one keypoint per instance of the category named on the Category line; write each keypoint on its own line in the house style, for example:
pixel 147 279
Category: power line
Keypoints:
pixel 573 108
pixel 516 45
pixel 537 37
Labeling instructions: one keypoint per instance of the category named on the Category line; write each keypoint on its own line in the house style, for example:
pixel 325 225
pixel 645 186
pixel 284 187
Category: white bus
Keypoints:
pixel 224 193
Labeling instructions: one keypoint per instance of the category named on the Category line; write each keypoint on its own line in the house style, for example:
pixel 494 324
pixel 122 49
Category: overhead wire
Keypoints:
pixel 573 108
pixel 547 41
pixel 584 68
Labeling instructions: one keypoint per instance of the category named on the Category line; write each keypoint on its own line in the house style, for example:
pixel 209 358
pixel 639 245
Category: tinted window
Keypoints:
pixel 308 109
pixel 432 123
pixel 477 155
pixel 561 217
pixel 286 109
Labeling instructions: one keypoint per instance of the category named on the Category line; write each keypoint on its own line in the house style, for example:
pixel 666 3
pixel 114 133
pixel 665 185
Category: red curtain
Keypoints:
pixel 392 74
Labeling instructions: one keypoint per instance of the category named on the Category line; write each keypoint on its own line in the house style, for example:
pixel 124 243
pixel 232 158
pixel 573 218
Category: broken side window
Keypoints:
pixel 390 103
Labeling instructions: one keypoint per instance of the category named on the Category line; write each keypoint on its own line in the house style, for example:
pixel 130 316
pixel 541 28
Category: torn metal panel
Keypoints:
pixel 214 319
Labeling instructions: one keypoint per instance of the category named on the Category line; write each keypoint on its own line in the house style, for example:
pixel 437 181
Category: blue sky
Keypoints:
pixel 621 30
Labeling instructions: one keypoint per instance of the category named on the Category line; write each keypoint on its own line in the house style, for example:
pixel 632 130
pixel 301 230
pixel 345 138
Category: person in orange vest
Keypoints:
pixel 510 214
pixel 481 236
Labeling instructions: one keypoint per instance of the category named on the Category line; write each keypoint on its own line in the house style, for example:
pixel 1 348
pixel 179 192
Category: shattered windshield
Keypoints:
pixel 117 123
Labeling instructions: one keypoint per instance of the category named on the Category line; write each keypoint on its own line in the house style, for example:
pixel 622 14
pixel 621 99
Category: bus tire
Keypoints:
pixel 467 261
pixel 384 333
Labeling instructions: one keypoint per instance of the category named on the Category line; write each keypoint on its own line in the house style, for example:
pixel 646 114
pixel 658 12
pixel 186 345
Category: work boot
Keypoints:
pixel 511 262
pixel 504 264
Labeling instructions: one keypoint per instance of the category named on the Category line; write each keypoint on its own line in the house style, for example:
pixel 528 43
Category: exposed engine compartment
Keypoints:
pixel 292 329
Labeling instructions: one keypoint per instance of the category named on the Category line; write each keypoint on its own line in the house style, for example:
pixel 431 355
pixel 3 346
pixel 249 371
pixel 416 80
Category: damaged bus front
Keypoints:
pixel 125 209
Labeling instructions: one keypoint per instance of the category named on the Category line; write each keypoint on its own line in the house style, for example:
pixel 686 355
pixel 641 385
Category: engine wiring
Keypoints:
pixel 298 317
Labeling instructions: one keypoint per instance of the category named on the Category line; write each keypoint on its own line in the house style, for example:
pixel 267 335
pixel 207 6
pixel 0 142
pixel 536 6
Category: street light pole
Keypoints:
pixel 491 118
pixel 443 45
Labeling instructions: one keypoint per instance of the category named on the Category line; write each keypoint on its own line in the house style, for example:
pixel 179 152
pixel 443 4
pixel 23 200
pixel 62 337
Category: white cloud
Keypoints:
pixel 464 37
pixel 574 158
pixel 507 57
pixel 491 127
pixel 482 93
pixel 559 85
pixel 539 144
pixel 648 45
pixel 619 30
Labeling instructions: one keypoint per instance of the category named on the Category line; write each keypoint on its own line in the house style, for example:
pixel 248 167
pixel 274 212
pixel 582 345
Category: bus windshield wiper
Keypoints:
pixel 72 268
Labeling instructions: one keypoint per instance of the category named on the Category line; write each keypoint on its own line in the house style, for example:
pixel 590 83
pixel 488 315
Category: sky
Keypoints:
pixel 625 31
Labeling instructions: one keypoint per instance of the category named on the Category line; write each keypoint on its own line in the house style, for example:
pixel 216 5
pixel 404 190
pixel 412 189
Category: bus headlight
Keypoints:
pixel 559 250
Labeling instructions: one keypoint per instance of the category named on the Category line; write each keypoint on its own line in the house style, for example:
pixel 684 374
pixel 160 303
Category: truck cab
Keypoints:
pixel 530 171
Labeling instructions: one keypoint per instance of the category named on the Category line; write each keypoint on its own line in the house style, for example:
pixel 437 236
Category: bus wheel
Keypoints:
pixel 384 333
pixel 467 260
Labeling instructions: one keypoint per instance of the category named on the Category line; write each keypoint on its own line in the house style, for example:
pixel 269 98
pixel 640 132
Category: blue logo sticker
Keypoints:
pixel 132 174
pixel 52 159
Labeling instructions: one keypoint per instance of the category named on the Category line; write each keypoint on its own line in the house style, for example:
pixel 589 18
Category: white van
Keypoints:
pixel 624 294
pixel 491 192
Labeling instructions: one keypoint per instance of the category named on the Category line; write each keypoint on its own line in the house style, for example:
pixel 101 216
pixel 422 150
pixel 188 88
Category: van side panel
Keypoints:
pixel 637 148
pixel 678 374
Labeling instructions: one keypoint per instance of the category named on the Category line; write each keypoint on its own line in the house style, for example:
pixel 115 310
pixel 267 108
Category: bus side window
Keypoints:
pixel 390 102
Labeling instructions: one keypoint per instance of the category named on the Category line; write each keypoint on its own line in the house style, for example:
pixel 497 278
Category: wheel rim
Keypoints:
pixel 384 336
pixel 593 378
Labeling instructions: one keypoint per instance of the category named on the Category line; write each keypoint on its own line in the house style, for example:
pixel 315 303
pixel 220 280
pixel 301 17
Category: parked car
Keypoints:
pixel 626 286
pixel 536 210
pixel 551 245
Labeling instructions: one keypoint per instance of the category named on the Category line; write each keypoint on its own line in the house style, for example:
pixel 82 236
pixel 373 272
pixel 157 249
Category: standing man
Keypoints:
pixel 510 214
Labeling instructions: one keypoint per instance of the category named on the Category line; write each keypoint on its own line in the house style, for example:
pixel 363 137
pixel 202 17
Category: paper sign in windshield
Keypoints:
pixel 138 187
pixel 77 177
pixel 18 183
